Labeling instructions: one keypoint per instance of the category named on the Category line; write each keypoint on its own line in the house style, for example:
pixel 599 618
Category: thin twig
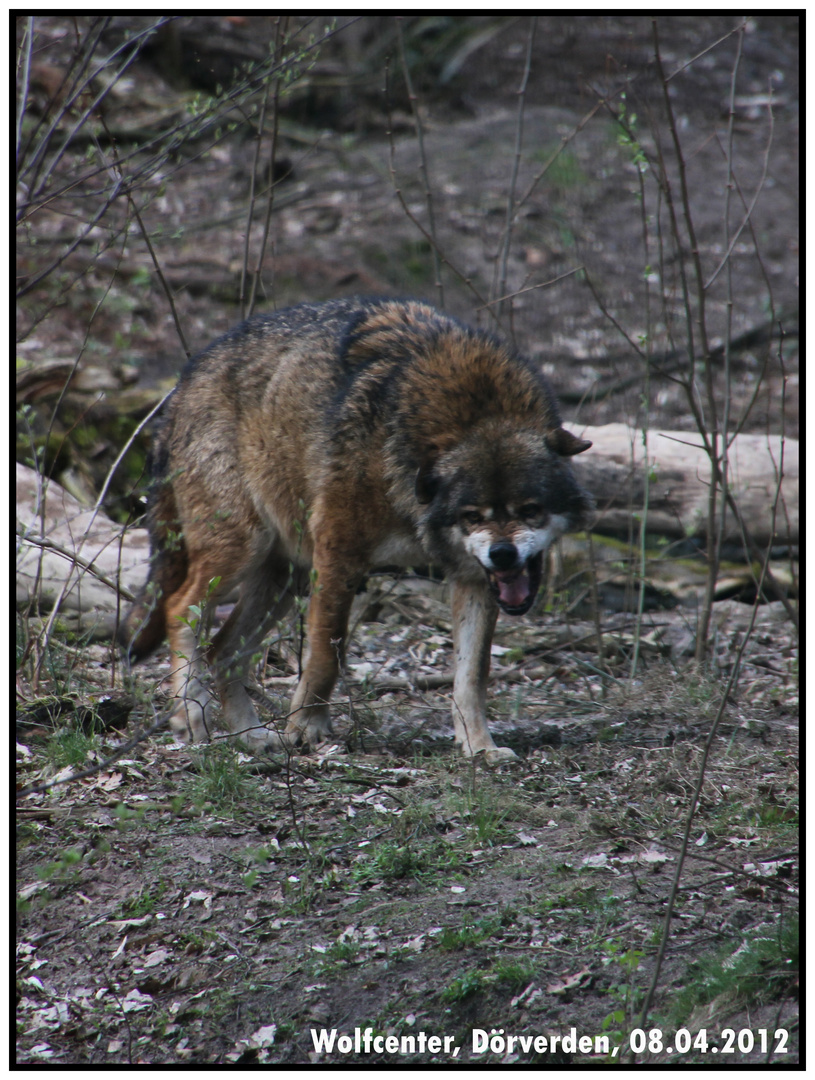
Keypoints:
pixel 428 191
pixel 71 556
pixel 280 31
pixel 646 423
pixel 731 182
pixel 728 263
pixel 711 427
pixel 519 127
pixel 531 288
pixel 704 52
pixel 28 37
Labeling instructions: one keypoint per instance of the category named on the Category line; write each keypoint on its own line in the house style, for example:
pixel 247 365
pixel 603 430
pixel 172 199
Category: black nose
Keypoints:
pixel 503 555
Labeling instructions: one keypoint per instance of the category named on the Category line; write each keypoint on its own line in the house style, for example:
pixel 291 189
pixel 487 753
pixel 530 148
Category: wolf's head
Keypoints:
pixel 496 502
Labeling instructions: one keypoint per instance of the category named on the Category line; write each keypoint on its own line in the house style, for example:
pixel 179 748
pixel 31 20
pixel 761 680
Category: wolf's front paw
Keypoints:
pixel 187 723
pixel 484 749
pixel 308 729
pixel 260 739
pixel 500 755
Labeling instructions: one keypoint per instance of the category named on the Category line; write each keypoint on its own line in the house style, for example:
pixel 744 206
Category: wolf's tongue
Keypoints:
pixel 512 591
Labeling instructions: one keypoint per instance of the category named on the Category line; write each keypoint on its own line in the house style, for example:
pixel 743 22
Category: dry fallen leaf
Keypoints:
pixel 571 982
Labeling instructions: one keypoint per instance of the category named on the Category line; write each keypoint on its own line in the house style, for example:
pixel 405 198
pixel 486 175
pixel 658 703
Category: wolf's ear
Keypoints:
pixel 564 443
pixel 427 483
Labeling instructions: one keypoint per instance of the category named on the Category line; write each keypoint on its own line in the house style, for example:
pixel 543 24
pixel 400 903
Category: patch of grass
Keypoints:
pixel 390 862
pixel 145 901
pixel 69 747
pixel 258 860
pixel 515 655
pixel 302 892
pixel 703 695
pixel 584 897
pixel 627 963
pixel 286 1032
pixel 127 817
pixel 463 937
pixel 195 942
pixel 774 816
pixel 487 820
pixel 754 809
pixel 760 968
pixel 485 809
pixel 343 952
pixel 510 975
pixel 221 782
pixel 64 867
pixel 462 987
pixel 397 862
pixel 514 975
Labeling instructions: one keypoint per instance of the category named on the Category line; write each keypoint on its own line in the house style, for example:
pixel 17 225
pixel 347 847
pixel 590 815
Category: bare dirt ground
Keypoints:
pixel 194 905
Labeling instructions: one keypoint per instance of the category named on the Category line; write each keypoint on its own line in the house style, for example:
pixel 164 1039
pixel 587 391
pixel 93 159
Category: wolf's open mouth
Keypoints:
pixel 516 589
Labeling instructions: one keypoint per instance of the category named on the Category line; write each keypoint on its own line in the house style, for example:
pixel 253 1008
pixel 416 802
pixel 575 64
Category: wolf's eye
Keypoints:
pixel 529 510
pixel 472 517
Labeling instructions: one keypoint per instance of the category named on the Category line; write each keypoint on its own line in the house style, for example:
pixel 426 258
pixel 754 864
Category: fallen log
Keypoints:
pixel 679 478
pixel 64 549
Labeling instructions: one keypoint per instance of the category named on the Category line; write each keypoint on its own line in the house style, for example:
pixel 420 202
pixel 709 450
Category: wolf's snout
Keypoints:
pixel 503 555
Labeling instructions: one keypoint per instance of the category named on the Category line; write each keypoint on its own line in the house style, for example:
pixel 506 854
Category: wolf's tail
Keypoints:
pixel 144 627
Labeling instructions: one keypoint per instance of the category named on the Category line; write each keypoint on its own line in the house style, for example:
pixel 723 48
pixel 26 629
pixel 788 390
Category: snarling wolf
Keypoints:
pixel 325 440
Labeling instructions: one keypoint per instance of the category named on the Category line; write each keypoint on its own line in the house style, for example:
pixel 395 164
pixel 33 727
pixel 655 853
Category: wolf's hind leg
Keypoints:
pixel 192 715
pixel 267 593
pixel 309 721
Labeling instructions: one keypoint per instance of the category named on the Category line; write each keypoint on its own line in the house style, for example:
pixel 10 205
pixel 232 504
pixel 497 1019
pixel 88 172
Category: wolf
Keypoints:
pixel 312 445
